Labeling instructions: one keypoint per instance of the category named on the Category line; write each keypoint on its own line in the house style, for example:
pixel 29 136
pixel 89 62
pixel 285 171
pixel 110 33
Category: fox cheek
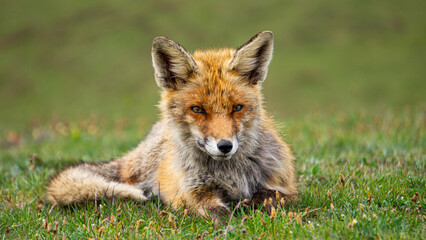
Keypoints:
pixel 238 128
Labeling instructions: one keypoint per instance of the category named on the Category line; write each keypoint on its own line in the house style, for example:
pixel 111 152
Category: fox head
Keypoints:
pixel 213 97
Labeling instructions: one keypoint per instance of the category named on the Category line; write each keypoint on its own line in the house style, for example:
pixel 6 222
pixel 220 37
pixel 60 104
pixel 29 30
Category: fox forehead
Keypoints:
pixel 215 86
pixel 213 68
pixel 213 59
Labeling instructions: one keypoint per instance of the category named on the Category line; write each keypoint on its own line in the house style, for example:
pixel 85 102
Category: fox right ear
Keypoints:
pixel 252 59
pixel 172 63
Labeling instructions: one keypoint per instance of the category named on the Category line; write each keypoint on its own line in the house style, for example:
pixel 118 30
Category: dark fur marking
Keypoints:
pixel 254 74
pixel 132 179
pixel 201 144
pixel 147 191
pixel 172 81
pixel 173 106
pixel 219 72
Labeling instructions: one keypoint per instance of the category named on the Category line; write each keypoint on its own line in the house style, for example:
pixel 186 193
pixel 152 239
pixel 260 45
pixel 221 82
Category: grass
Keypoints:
pixel 357 174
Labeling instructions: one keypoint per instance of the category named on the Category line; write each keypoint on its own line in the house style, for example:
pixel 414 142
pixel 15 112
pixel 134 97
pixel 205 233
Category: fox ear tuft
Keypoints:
pixel 172 63
pixel 252 59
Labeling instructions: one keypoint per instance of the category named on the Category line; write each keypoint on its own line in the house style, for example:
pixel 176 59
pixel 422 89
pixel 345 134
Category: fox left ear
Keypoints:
pixel 172 63
pixel 252 59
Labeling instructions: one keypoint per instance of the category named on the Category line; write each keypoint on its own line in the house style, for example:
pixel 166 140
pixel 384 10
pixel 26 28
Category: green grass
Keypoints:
pixel 347 81
pixel 381 158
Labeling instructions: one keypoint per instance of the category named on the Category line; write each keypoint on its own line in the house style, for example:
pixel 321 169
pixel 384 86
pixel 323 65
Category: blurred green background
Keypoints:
pixel 74 59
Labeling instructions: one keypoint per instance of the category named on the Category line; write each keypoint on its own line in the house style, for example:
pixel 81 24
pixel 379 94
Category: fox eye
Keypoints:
pixel 237 108
pixel 197 109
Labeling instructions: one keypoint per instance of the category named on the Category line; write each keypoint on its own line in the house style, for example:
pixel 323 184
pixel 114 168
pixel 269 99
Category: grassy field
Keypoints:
pixel 347 85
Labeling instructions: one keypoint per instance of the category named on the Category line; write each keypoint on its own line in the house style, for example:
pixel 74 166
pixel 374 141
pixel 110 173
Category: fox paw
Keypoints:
pixel 266 199
pixel 219 215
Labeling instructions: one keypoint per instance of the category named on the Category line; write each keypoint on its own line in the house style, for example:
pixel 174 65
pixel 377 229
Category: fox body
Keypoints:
pixel 213 145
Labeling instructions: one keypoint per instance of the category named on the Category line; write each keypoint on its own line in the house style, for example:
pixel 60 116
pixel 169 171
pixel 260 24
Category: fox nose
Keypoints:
pixel 224 146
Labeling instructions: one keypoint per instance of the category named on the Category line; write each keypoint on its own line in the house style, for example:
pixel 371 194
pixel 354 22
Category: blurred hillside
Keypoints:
pixel 74 59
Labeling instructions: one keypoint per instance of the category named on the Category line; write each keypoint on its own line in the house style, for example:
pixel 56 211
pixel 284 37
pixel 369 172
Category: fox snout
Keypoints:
pixel 218 150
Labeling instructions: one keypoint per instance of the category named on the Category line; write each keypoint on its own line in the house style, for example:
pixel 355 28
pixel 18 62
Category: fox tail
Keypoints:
pixel 90 181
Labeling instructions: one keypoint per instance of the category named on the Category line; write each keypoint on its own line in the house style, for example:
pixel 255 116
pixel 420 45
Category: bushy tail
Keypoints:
pixel 89 182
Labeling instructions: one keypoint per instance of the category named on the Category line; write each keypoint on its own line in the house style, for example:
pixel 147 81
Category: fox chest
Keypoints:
pixel 231 182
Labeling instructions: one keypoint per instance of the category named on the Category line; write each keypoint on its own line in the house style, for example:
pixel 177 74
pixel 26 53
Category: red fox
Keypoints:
pixel 214 144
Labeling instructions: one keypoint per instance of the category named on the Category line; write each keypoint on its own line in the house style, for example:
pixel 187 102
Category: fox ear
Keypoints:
pixel 172 63
pixel 252 59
